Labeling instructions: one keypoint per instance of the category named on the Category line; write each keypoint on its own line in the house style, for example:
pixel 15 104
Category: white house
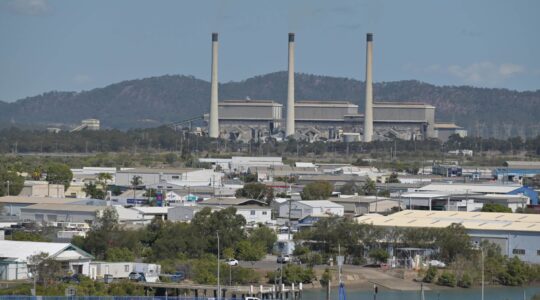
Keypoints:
pixel 304 208
pixel 15 254
pixel 255 214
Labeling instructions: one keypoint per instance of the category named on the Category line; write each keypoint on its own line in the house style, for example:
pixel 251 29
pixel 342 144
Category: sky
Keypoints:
pixel 71 45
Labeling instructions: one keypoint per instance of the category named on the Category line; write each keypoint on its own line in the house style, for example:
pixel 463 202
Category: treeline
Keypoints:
pixel 191 248
pixel 15 140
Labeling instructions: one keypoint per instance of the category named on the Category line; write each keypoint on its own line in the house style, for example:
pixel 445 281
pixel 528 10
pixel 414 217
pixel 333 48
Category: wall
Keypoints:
pixel 56 216
pixel 259 215
pixel 529 241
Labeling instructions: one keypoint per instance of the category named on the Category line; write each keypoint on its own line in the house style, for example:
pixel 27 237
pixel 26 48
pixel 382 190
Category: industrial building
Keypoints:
pixel 332 119
pixel 516 234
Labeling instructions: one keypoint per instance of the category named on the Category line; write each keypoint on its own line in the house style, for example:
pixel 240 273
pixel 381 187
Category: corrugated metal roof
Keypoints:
pixel 21 250
pixel 65 207
pixel 33 200
pixel 471 188
pixel 470 220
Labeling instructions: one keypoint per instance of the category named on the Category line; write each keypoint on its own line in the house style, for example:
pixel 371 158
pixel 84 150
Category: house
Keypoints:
pixel 303 208
pixel 516 234
pixel 255 214
pixel 14 257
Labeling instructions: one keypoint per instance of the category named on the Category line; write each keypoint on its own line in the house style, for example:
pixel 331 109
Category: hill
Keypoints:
pixel 154 101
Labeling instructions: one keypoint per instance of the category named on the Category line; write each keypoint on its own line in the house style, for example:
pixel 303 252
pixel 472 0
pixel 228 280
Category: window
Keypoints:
pixel 518 251
pixel 126 268
pixel 264 213
pixel 537 252
pixel 176 177
pixel 252 212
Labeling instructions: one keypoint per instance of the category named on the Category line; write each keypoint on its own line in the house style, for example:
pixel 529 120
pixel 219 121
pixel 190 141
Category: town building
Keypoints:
pixel 303 208
pixel 516 234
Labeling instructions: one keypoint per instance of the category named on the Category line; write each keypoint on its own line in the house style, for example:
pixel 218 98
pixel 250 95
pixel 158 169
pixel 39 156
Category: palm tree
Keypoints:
pixel 135 182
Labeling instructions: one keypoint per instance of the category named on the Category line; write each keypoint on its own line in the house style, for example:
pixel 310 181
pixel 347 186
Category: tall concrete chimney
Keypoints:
pixel 213 130
pixel 290 93
pixel 368 116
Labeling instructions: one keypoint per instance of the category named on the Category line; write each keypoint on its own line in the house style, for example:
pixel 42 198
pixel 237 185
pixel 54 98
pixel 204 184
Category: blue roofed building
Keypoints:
pixel 516 170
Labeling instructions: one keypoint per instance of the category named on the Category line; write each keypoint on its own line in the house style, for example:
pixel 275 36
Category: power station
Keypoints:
pixel 332 120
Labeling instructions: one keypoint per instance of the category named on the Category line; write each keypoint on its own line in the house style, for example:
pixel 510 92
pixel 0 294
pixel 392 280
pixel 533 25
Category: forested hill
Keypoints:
pixel 157 100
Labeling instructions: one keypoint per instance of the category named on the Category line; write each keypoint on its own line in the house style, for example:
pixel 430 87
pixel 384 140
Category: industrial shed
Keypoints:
pixel 516 234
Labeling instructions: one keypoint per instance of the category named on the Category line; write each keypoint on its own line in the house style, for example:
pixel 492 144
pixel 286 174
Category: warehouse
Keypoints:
pixel 150 176
pixel 47 213
pixel 301 209
pixel 516 170
pixel 249 119
pixel 516 234
pixel 12 204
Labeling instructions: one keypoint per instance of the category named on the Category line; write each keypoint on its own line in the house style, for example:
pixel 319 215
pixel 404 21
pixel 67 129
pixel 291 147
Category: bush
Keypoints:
pixel 447 279
pixel 292 274
pixel 379 255
pixel 430 275
pixel 465 281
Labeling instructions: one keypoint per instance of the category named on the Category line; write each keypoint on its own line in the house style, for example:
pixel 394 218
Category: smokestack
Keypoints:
pixel 213 130
pixel 290 93
pixel 368 116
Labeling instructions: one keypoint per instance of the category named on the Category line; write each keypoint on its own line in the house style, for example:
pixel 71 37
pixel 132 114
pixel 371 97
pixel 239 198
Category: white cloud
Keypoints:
pixel 487 73
pixel 29 7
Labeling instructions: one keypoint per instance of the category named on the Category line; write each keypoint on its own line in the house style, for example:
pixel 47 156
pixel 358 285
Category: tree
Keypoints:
pixel 369 188
pixel 16 182
pixel 104 234
pixel 135 182
pixel 93 191
pixel 319 190
pixel 44 269
pixel 393 178
pixel 28 236
pixel 264 235
pixel 430 275
pixel 495 207
pixel 103 180
pixel 349 188
pixel 453 241
pixel 447 279
pixel 119 254
pixel 58 173
pixel 256 190
pixel 515 274
pixel 379 255
pixel 251 251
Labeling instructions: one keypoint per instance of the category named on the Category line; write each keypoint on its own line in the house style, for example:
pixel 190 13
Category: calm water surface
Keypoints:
pixel 499 293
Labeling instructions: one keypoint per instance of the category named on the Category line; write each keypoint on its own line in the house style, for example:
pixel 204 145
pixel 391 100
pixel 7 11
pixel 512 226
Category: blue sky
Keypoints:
pixel 79 45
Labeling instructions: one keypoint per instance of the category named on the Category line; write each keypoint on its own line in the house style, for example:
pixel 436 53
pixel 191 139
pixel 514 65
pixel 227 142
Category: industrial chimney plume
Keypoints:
pixel 290 93
pixel 368 116
pixel 214 118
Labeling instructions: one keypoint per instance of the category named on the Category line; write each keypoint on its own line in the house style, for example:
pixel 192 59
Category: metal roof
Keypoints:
pixel 35 200
pixel 65 207
pixel 471 188
pixel 442 219
pixel 21 250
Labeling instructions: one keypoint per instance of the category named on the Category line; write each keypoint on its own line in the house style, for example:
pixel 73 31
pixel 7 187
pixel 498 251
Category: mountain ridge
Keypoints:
pixel 158 100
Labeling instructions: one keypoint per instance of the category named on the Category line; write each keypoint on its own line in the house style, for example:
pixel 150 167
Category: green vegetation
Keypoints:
pixel 28 236
pixel 379 255
pixel 447 279
pixel 16 182
pixel 319 190
pixel 58 173
pixel 256 190
pixel 431 274
pixel 495 207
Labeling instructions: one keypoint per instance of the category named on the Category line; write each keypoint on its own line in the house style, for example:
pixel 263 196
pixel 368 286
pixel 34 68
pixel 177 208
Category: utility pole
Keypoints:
pixel 218 282
pixel 8 188
pixel 289 222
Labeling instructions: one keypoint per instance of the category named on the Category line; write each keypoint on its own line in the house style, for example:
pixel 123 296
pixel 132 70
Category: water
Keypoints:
pixel 499 293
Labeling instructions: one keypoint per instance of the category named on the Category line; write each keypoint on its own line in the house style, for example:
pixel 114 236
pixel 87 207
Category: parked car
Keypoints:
pixel 283 259
pixel 178 276
pixel 137 276
pixel 437 263
pixel 231 262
